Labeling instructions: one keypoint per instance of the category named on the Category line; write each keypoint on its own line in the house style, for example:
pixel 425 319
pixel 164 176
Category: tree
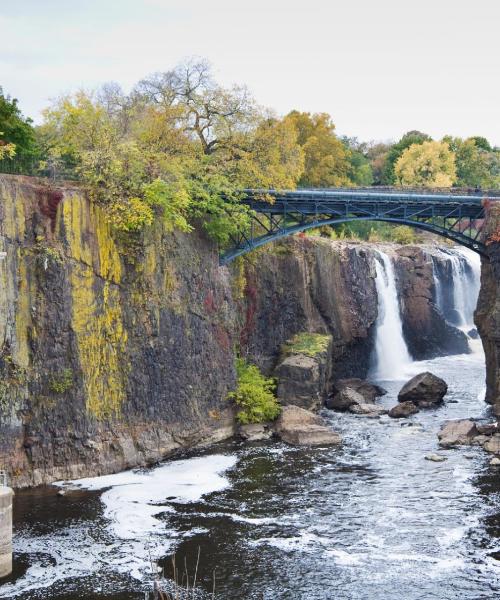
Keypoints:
pixel 377 155
pixel 476 166
pixel 326 159
pixel 208 111
pixel 429 164
pixel 17 131
pixel 360 172
pixel 394 153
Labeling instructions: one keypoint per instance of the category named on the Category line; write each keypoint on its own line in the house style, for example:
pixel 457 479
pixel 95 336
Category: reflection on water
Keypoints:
pixel 371 519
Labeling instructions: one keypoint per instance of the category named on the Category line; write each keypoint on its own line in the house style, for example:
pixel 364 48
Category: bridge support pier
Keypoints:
pixel 6 496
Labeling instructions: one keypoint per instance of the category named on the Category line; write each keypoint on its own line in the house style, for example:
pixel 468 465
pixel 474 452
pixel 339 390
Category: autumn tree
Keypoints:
pixel 429 164
pixel 395 152
pixel 326 159
pixel 477 164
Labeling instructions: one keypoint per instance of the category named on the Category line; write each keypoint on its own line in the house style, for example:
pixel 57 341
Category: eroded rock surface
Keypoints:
pixel 403 410
pixel 300 427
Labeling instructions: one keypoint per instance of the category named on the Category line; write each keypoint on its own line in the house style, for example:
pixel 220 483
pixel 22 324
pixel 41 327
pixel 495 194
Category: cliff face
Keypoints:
pixel 487 315
pixel 108 359
pixel 113 355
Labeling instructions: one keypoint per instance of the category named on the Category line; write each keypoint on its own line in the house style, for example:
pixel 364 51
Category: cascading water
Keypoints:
pixel 392 358
pixel 458 302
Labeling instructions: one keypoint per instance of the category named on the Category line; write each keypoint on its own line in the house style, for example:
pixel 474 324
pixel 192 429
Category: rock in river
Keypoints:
pixel 457 433
pixel 254 432
pixel 425 389
pixel 344 399
pixel 403 409
pixel 435 457
pixel 368 390
pixel 301 427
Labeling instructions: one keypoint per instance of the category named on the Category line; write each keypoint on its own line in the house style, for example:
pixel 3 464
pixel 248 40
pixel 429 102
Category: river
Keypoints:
pixel 371 519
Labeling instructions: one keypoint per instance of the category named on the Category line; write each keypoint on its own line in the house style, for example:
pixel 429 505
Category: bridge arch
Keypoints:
pixel 293 212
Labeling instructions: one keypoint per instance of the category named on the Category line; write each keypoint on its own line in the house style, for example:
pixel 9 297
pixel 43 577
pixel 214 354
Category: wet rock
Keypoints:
pixel 403 409
pixel 495 461
pixel 254 432
pixel 368 390
pixel 457 433
pixel 435 457
pixel 300 427
pixel 425 389
pixel 473 333
pixel 479 440
pixel 487 428
pixel 493 444
pixel 344 399
pixel 367 410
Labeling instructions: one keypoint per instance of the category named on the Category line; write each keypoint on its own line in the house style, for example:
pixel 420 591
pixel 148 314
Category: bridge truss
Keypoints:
pixel 457 216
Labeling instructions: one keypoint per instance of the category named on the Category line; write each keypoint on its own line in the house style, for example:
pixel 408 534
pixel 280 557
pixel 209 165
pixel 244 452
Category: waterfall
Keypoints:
pixel 391 353
pixel 457 304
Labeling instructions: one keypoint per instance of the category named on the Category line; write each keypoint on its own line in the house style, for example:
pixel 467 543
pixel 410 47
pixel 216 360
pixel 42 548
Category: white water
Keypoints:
pixel 392 359
pixel 466 274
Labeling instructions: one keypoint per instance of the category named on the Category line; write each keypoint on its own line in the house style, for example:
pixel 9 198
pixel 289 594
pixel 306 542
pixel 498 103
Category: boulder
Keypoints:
pixel 368 390
pixel 367 410
pixel 300 427
pixel 254 432
pixel 403 409
pixel 435 457
pixel 473 334
pixel 457 433
pixel 493 444
pixel 344 399
pixel 425 389
pixel 495 461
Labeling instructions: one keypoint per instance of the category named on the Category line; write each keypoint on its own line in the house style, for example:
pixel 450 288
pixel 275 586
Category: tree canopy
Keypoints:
pixel 17 136
pixel 427 164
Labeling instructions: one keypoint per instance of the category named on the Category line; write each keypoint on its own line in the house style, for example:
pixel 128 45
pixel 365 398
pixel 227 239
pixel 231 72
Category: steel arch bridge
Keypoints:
pixel 458 216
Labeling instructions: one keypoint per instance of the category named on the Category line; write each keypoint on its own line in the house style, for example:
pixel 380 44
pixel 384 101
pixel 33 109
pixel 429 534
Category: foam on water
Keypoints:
pixel 132 503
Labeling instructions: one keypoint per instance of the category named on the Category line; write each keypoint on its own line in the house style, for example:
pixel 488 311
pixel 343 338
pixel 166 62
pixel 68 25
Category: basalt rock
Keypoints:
pixel 403 409
pixel 303 380
pixel 344 399
pixel 487 315
pixel 424 390
pixel 369 391
pixel 300 427
pixel 457 433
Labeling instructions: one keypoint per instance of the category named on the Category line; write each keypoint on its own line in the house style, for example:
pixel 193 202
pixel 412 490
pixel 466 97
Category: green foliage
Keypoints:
pixel 17 134
pixel 254 395
pixel 306 343
pixel 476 165
pixel 61 382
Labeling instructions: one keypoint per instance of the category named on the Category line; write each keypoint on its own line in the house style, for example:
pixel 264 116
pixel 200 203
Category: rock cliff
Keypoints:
pixel 115 353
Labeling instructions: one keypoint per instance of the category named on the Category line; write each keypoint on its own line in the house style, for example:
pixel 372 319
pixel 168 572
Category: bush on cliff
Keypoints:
pixel 254 395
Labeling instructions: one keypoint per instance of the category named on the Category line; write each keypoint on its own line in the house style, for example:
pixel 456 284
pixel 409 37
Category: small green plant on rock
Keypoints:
pixel 61 382
pixel 254 395
pixel 306 343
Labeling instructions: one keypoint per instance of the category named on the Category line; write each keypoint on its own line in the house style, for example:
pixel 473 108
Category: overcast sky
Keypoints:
pixel 379 67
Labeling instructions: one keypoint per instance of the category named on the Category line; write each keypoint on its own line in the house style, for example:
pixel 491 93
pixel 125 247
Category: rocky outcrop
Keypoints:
pixel 300 427
pixel 487 315
pixel 369 391
pixel 426 332
pixel 304 372
pixel 424 390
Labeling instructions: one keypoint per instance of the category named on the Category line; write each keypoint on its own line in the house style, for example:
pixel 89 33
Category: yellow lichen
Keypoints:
pixel 101 340
pixel 20 352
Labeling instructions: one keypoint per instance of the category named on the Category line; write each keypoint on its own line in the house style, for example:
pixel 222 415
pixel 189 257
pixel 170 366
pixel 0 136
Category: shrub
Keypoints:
pixel 254 395
pixel 402 234
pixel 61 382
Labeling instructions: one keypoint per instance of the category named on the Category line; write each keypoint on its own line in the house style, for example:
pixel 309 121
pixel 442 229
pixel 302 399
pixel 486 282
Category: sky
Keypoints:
pixel 379 67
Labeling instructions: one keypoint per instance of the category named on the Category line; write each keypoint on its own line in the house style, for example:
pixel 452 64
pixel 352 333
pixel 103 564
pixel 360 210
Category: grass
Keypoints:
pixel 306 343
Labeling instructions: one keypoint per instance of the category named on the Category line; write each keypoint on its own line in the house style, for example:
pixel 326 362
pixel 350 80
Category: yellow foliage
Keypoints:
pixel 430 164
